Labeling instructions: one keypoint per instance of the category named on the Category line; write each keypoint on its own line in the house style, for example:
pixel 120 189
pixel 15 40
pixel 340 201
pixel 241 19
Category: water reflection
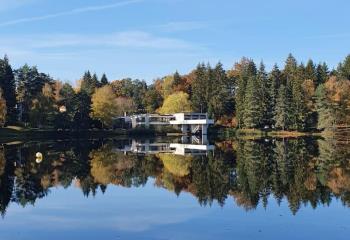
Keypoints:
pixel 303 171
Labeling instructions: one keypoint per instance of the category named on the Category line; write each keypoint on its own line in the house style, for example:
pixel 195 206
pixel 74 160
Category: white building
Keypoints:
pixel 188 122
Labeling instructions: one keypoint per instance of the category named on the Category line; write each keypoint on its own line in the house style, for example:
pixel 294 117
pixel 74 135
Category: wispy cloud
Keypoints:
pixel 70 12
pixel 127 39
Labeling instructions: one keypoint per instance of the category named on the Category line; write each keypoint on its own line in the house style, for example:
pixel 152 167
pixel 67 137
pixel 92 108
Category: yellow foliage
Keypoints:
pixel 176 102
pixel 175 164
pixel 106 105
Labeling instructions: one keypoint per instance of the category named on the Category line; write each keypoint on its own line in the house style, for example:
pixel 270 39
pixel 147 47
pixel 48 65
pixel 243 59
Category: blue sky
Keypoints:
pixel 147 39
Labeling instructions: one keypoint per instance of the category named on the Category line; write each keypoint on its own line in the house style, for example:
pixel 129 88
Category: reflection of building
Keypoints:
pixel 188 146
pixel 192 123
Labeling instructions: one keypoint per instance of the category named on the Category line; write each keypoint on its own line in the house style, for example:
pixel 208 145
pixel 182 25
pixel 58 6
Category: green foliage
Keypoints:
pixel 43 109
pixel 81 109
pixel 8 86
pixel 104 80
pixel 283 110
pixel 153 100
pixel 134 89
pixel 246 70
pixel 344 68
pixel 326 114
pixel 30 83
pixel 89 83
pixel 200 88
pixel 253 111
pixel 322 73
pixel 3 109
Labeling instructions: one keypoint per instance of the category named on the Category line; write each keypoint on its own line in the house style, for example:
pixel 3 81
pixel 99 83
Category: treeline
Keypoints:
pixel 297 97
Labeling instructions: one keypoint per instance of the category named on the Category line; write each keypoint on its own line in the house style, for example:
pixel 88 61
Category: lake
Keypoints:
pixel 175 188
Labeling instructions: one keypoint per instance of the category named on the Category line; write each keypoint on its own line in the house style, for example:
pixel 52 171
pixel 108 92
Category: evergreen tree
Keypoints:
pixel 246 70
pixel 104 80
pixel 8 86
pixel 95 81
pixel 82 109
pixel 322 73
pixel 310 71
pixel 283 113
pixel 176 80
pixel 344 68
pixel 326 116
pixel 274 82
pixel 220 101
pixel 253 112
pixel 88 83
pixel 264 95
pixel 293 79
pixel 199 89
pixel 29 84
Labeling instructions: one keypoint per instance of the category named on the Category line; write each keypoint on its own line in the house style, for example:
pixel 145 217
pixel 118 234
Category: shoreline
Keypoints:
pixel 15 133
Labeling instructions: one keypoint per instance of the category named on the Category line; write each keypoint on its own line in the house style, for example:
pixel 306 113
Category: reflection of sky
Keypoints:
pixel 155 213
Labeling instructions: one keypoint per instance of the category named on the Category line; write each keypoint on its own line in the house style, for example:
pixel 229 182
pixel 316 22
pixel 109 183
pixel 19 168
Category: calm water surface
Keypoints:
pixel 175 189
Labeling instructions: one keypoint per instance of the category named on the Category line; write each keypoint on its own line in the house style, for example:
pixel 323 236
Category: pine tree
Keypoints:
pixel 82 110
pixel 29 84
pixel 294 80
pixel 310 71
pixel 104 80
pixel 253 113
pixel 344 68
pixel 263 86
pixel 283 108
pixel 8 85
pixel 274 82
pixel 88 84
pixel 246 69
pixel 219 99
pixel 326 116
pixel 176 80
pixel 95 81
pixel 199 89
pixel 322 73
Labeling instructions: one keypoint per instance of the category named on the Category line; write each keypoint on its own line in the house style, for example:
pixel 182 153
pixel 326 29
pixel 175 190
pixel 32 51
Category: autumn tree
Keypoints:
pixel 177 102
pixel 104 105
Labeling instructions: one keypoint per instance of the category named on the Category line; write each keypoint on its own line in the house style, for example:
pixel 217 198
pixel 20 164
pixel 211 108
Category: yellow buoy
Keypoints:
pixel 39 157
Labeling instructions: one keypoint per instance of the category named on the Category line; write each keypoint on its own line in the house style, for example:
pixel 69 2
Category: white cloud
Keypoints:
pixel 69 12
pixel 127 39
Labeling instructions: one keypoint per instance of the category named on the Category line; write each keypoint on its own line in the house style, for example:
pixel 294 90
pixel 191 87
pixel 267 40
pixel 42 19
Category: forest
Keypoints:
pixel 295 97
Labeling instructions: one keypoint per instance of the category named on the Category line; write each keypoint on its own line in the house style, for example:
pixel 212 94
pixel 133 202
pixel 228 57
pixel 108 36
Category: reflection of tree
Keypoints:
pixel 302 171
pixel 176 164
